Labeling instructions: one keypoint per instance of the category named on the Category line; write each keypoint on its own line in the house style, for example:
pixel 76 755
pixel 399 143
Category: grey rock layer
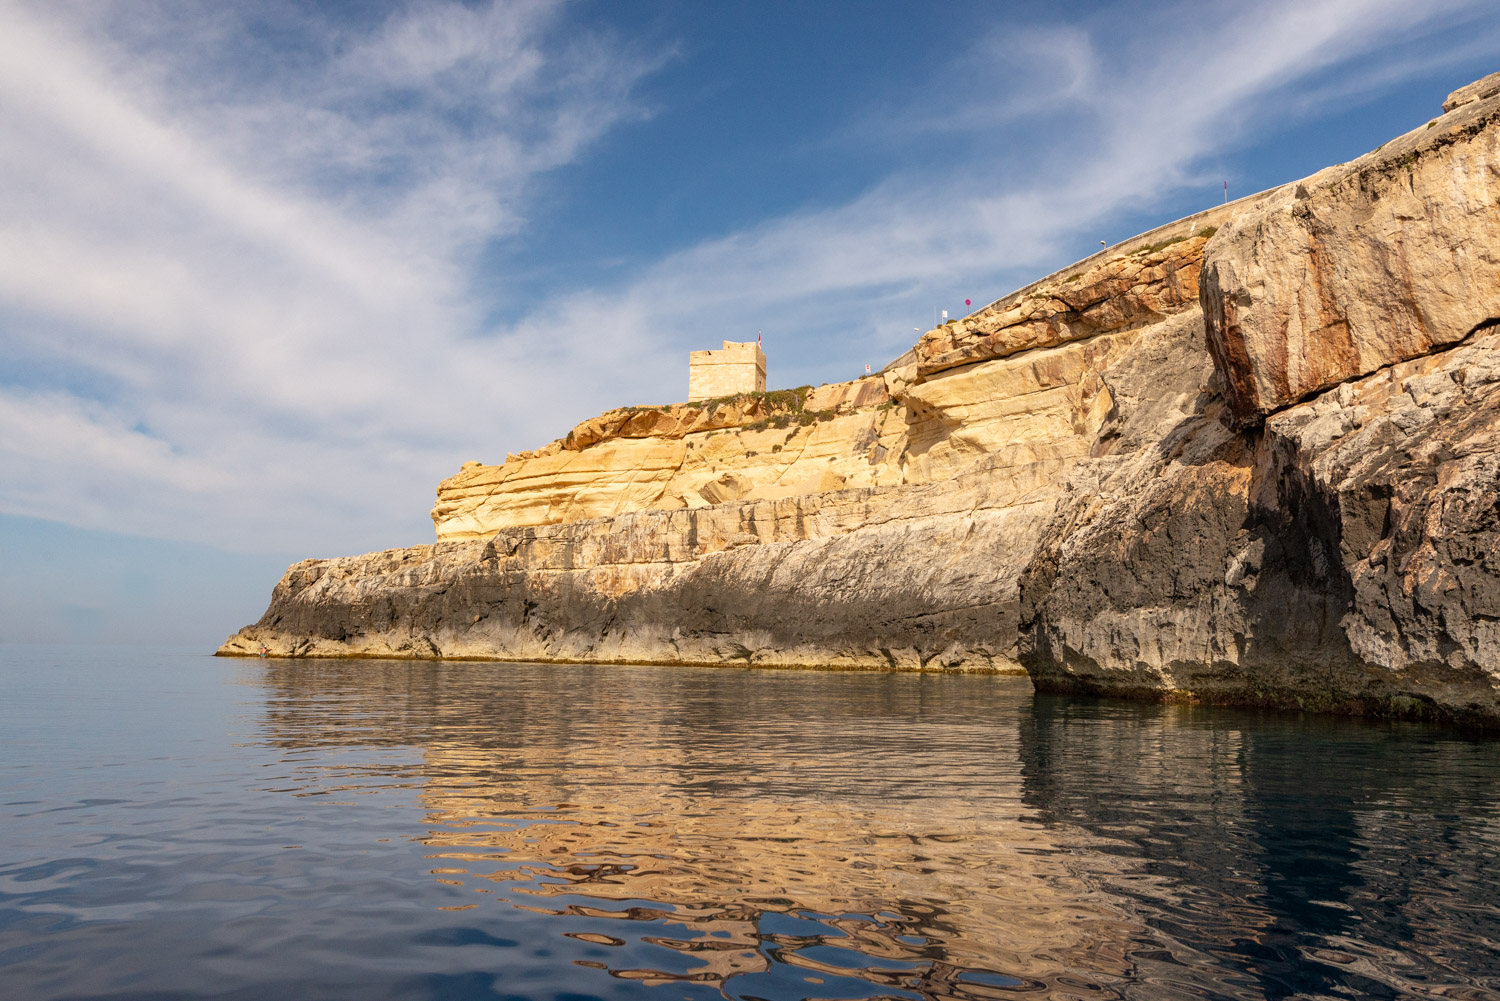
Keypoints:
pixel 1344 557
pixel 820 580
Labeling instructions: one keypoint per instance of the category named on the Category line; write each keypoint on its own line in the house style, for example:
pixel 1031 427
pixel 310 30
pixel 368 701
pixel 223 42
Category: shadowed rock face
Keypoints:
pixel 1252 457
pixel 1339 551
pixel 1346 557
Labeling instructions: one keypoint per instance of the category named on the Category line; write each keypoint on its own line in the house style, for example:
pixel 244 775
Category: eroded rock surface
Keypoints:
pixel 1252 457
pixel 823 579
pixel 1363 265
pixel 1347 557
pixel 1112 294
pixel 757 446
pixel 1038 407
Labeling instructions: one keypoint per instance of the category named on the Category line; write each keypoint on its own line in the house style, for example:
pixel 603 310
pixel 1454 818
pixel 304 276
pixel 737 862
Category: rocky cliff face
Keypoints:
pixel 1346 556
pixel 1253 456
pixel 755 446
pixel 1386 258
pixel 1338 548
pixel 915 567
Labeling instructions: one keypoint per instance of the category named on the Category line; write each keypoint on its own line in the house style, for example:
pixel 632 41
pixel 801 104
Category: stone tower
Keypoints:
pixel 737 368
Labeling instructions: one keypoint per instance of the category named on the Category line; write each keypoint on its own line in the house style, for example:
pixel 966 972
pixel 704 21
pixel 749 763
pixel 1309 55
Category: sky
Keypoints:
pixel 270 270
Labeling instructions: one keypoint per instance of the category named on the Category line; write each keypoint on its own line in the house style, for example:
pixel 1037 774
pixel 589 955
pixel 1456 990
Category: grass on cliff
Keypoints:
pixel 801 419
pixel 786 400
pixel 1152 248
pixel 783 408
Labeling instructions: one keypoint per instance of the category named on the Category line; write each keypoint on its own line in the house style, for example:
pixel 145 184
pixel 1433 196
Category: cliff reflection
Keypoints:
pixel 1312 856
pixel 851 829
pixel 791 834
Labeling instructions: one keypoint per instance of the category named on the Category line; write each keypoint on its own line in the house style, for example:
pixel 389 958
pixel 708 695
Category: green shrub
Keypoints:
pixel 1152 248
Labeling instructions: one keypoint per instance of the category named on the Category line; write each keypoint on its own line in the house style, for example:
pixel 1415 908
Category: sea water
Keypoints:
pixel 178 826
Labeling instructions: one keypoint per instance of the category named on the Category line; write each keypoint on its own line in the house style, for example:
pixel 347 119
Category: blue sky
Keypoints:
pixel 270 270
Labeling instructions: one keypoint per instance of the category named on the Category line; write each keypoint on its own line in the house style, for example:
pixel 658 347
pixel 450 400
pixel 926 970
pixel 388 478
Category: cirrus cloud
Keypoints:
pixel 244 277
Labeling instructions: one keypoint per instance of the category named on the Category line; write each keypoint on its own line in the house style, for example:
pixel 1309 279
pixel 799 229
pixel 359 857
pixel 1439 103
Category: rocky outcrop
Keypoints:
pixel 1034 413
pixel 1133 284
pixel 1362 265
pixel 1346 557
pixel 1252 457
pixel 753 446
pixel 1125 289
pixel 1326 535
pixel 1476 91
pixel 817 580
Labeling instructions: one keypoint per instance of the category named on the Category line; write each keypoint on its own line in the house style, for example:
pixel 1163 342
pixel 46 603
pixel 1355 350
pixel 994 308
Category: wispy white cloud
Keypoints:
pixel 241 295
pixel 1122 116
pixel 267 299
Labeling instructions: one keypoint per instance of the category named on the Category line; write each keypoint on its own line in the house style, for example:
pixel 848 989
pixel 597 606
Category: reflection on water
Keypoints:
pixel 767 833
pixel 522 831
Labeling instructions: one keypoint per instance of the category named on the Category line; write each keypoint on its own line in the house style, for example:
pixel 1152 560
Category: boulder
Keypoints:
pixel 1476 91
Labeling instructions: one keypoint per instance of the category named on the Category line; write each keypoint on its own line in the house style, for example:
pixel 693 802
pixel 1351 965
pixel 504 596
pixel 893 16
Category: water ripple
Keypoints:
pixel 366 829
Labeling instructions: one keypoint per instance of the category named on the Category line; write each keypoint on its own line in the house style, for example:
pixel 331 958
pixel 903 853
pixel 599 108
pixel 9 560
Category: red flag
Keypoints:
pixel 757 337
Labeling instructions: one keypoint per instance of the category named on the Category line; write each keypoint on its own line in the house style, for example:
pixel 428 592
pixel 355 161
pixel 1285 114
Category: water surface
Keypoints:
pixel 175 826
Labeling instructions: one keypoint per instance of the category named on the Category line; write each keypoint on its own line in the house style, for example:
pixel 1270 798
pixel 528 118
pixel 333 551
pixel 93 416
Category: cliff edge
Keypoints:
pixel 1250 457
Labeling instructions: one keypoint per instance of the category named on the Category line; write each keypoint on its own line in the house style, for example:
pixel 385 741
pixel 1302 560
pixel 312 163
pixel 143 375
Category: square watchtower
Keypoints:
pixel 737 368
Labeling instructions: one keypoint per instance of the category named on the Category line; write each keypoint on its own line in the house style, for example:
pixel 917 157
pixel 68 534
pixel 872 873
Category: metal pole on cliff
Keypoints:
pixel 1226 192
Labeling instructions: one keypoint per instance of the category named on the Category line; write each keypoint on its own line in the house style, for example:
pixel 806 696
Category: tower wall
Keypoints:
pixel 736 368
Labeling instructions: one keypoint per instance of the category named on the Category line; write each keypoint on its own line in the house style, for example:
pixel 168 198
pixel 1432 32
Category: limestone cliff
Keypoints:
pixel 757 446
pixel 1251 456
pixel 1386 258
pixel 1341 550
pixel 1018 384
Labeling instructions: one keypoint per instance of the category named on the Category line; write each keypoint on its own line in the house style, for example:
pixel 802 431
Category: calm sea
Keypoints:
pixel 176 826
